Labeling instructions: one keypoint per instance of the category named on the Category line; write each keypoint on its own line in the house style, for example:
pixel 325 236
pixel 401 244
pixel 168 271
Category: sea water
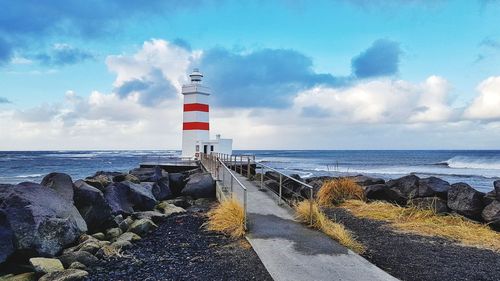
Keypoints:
pixel 477 168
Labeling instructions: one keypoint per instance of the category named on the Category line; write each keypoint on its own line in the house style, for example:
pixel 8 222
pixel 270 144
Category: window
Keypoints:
pixel 211 148
pixel 197 148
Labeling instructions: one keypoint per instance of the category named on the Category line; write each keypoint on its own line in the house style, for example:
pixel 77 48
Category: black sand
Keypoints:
pixel 419 258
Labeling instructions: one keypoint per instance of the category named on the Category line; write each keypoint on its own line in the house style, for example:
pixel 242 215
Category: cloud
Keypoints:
pixel 490 43
pixel 380 101
pixel 4 100
pixel 261 78
pixel 486 105
pixel 381 59
pixel 5 51
pixel 63 54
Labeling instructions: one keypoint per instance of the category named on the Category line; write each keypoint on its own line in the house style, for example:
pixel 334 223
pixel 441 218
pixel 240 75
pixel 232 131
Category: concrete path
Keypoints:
pixel 292 251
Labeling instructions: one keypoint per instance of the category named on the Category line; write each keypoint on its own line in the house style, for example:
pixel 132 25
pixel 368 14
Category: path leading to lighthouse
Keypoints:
pixel 292 251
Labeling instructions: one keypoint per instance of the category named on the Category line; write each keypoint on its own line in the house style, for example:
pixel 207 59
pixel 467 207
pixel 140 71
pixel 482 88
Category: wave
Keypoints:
pixel 28 176
pixel 463 162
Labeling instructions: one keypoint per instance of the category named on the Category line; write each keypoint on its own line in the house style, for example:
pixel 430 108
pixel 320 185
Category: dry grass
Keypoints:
pixel 110 251
pixel 335 230
pixel 337 191
pixel 228 218
pixel 426 222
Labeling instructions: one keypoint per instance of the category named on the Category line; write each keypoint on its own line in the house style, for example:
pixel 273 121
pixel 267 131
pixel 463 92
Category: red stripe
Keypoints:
pixel 195 126
pixel 196 107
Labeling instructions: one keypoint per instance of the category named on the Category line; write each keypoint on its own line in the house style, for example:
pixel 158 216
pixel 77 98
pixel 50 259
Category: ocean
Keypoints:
pixel 479 168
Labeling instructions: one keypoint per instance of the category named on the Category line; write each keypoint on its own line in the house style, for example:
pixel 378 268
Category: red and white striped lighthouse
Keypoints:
pixel 196 125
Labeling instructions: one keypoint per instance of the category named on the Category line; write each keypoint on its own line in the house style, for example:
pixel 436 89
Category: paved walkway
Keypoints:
pixel 292 251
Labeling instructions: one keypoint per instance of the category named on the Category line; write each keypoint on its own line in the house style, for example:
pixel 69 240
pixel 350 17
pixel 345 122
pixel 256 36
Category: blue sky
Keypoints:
pixel 403 74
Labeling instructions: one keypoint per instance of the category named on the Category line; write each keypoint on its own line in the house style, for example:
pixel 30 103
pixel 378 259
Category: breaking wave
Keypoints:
pixel 463 162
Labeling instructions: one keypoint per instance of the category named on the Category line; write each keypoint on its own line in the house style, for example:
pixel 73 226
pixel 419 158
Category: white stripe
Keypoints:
pixel 195 116
pixel 196 98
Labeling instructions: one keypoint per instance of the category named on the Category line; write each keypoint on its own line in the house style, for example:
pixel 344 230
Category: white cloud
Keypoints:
pixel 486 105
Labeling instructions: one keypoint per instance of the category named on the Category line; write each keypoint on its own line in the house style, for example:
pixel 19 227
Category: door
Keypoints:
pixel 205 149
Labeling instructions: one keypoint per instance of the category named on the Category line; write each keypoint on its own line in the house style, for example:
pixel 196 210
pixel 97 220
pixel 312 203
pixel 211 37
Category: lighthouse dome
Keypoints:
pixel 196 75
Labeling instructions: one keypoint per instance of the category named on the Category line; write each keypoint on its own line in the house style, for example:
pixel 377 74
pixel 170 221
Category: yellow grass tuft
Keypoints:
pixel 428 223
pixel 337 191
pixel 228 217
pixel 335 230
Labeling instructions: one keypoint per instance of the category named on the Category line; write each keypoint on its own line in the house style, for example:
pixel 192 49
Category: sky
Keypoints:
pixel 340 74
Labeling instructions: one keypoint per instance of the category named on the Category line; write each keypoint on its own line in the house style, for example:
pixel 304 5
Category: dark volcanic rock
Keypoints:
pixel 366 181
pixel 430 203
pixel 433 186
pixel 272 175
pixel 200 185
pixel 496 184
pixel 116 195
pixel 141 198
pixel 384 192
pixel 177 182
pixel 126 177
pixel 406 186
pixel 465 200
pixel 42 221
pixel 148 174
pixel 83 257
pixel 93 207
pixel 161 189
pixel 6 238
pixel 491 214
pixel 101 179
pixel 61 183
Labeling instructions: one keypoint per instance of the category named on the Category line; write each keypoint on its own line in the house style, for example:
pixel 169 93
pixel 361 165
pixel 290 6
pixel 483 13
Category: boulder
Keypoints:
pixel 42 222
pixel 93 207
pixel 61 183
pixel 183 202
pixel 385 193
pixel 161 189
pixel 77 265
pixel 101 179
pixel 496 185
pixel 92 246
pixel 177 182
pixel 169 209
pixel 406 186
pixel 155 216
pixel 46 265
pixel 126 177
pixel 272 175
pixel 491 214
pixel 117 197
pixel 65 275
pixel 28 276
pixel 465 200
pixel 83 257
pixel 141 198
pixel 142 226
pixel 6 238
pixel 120 244
pixel 435 204
pixel 128 236
pixel 433 186
pixel 112 233
pixel 200 185
pixel 148 174
pixel 99 236
pixel 366 181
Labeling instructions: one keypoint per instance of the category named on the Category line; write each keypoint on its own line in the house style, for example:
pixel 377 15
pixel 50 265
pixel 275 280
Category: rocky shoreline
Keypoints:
pixel 57 229
pixel 426 193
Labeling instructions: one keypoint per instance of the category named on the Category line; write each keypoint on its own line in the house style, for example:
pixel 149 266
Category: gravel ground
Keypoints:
pixel 180 250
pixel 413 257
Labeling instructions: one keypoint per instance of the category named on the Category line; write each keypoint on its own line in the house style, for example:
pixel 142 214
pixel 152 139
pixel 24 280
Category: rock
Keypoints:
pixel 465 200
pixel 272 175
pixel 128 236
pixel 121 244
pixel 491 214
pixel 436 204
pixel 92 246
pixel 200 185
pixel 168 209
pixel 155 216
pixel 183 202
pixel 65 275
pixel 6 238
pixel 83 257
pixel 433 186
pixel 177 182
pixel 161 189
pixel 117 197
pixel 366 181
pixel 93 207
pixel 124 225
pixel 101 179
pixel 496 184
pixel 42 222
pixel 99 236
pixel 61 183
pixel 406 186
pixel 46 265
pixel 77 265
pixel 142 227
pixel 28 276
pixel 113 233
pixel 126 177
pixel 141 198
pixel 148 174
pixel 385 193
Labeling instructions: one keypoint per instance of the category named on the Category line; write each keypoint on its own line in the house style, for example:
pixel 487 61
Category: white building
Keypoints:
pixel 196 124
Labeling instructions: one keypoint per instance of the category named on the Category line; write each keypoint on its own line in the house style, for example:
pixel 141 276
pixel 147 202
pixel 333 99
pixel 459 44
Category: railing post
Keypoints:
pixel 261 177
pixel 281 187
pixel 248 167
pixel 231 186
pixel 245 207
pixel 311 200
pixel 241 165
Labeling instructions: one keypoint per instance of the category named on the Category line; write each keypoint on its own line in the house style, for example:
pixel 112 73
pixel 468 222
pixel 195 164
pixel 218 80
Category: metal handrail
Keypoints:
pixel 287 176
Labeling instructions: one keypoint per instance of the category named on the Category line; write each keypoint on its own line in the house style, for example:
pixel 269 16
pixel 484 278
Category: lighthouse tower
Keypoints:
pixel 196 125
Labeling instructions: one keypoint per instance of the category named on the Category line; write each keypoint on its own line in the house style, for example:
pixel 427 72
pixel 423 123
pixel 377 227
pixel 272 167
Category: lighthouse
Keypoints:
pixel 196 122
